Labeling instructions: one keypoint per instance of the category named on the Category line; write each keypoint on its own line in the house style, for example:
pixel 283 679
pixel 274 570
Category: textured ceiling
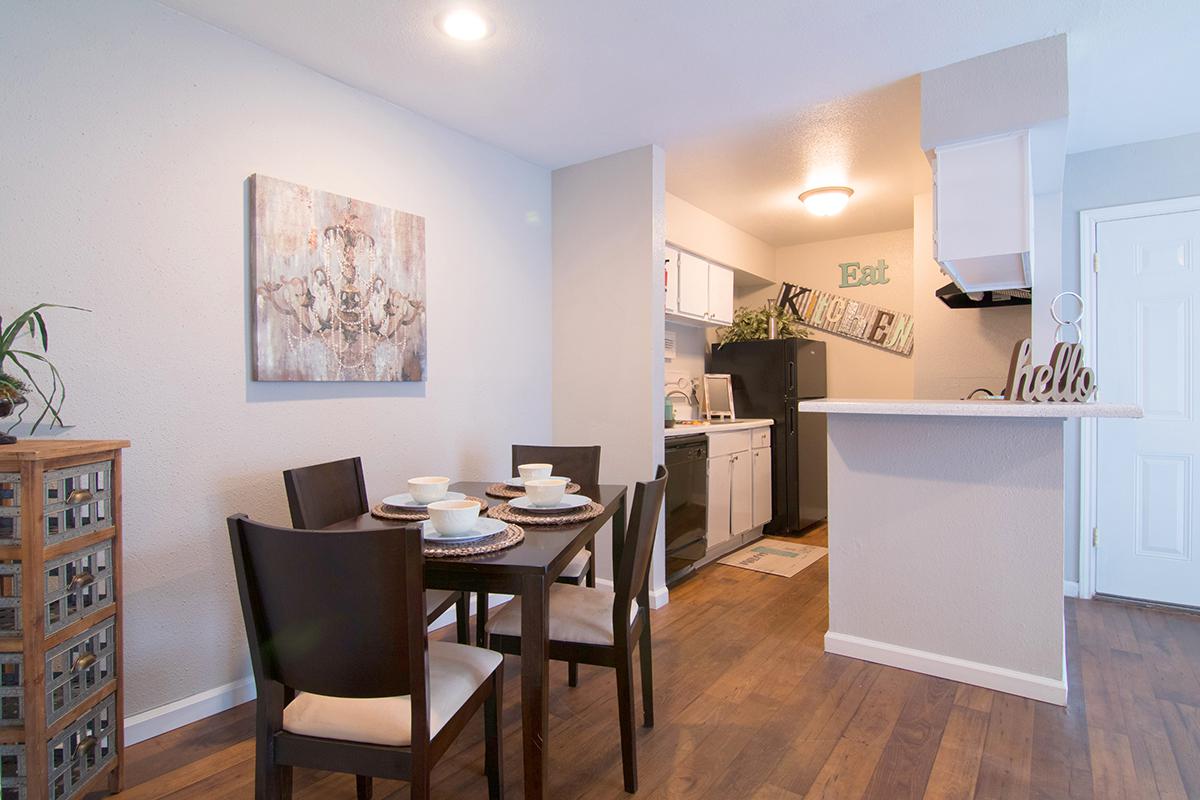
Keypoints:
pixel 562 81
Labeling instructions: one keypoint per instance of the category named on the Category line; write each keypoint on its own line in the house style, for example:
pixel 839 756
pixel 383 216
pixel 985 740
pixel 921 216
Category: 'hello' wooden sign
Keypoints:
pixel 1063 380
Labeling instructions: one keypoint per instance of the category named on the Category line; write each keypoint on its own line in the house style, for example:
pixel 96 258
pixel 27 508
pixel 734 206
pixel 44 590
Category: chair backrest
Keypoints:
pixel 339 614
pixel 323 494
pixel 633 573
pixel 580 464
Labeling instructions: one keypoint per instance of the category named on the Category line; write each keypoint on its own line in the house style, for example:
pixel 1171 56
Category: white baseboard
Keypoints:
pixel 658 597
pixel 187 710
pixel 1000 679
pixel 184 711
pixel 1071 588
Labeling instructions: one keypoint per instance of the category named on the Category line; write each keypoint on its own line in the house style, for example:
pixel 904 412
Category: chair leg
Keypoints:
pixel 418 789
pixel 462 622
pixel 572 674
pixel 363 786
pixel 493 737
pixel 647 679
pixel 625 712
pixel 587 579
pixel 481 618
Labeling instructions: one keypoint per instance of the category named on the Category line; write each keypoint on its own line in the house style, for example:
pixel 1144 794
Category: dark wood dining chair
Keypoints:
pixel 582 465
pixel 323 494
pixel 347 678
pixel 599 627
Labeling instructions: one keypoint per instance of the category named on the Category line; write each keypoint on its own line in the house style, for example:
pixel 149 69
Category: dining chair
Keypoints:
pixel 346 676
pixel 599 627
pixel 323 494
pixel 582 465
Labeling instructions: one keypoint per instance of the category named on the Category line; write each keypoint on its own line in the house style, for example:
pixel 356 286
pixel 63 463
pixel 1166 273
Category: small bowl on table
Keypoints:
pixel 428 489
pixel 545 492
pixel 453 517
pixel 533 472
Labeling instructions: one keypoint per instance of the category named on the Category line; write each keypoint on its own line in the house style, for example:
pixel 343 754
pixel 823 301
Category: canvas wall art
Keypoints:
pixel 339 287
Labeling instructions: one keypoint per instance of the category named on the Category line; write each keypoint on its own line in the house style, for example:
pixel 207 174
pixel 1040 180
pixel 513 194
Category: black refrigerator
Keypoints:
pixel 769 377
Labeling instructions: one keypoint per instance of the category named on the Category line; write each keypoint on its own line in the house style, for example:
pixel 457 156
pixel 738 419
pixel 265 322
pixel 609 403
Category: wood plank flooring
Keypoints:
pixel 748 706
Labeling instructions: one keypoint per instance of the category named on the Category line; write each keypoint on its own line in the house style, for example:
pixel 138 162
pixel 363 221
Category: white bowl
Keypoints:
pixel 428 489
pixel 453 517
pixel 545 491
pixel 532 472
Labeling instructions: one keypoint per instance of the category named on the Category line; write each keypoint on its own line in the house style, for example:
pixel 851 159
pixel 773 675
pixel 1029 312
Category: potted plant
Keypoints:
pixel 17 355
pixel 768 322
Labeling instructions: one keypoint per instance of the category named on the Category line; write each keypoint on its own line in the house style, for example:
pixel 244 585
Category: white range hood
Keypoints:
pixel 983 212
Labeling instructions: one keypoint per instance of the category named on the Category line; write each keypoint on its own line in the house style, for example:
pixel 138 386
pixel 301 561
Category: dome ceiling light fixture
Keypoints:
pixel 465 25
pixel 826 201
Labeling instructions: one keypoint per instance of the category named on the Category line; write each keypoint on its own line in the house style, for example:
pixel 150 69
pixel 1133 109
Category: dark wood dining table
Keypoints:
pixel 528 570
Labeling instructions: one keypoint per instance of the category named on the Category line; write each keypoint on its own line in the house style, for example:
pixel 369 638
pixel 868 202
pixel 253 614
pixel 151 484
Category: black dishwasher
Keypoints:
pixel 686 504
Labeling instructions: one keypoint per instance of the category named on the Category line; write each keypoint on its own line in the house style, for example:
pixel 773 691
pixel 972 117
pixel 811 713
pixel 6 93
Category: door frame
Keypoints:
pixel 1089 219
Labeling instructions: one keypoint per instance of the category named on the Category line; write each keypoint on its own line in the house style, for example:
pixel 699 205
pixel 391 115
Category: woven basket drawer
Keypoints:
pixel 10 599
pixel 10 507
pixel 83 750
pixel 80 667
pixel 12 691
pixel 78 501
pixel 78 584
pixel 12 772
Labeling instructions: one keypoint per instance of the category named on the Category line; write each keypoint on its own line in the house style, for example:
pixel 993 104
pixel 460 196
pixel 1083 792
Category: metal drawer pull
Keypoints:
pixel 79 496
pixel 83 662
pixel 86 745
pixel 82 579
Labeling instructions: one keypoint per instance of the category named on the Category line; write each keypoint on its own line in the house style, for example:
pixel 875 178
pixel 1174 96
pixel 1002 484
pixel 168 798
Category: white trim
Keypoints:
pixel 1070 589
pixel 186 710
pixel 1024 684
pixel 1088 220
pixel 658 597
pixel 193 708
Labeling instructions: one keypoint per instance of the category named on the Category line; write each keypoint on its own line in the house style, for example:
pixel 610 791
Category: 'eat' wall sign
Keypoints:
pixel 856 274
pixel 863 322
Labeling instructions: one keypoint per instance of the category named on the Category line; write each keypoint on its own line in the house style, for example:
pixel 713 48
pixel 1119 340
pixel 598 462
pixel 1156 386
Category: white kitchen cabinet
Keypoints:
pixel 720 294
pixel 693 286
pixel 672 280
pixel 720 481
pixel 741 494
pixel 760 459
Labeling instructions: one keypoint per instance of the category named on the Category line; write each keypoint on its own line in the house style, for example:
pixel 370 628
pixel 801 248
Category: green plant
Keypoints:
pixel 752 324
pixel 14 350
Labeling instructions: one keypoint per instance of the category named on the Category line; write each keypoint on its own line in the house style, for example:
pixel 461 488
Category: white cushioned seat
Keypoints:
pixel 455 672
pixel 577 614
pixel 577 568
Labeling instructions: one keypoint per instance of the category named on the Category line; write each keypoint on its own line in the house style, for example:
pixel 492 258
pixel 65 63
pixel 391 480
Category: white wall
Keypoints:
pixel 700 232
pixel 608 319
pixel 1114 176
pixel 129 133
pixel 958 349
pixel 855 369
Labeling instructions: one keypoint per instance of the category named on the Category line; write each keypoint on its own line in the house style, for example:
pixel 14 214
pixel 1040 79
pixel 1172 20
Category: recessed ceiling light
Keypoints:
pixel 465 25
pixel 826 200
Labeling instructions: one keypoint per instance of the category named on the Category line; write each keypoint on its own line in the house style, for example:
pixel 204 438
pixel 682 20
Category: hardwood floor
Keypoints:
pixel 748 706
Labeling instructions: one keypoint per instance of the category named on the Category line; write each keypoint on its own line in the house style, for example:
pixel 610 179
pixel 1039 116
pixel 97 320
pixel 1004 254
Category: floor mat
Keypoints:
pixel 776 557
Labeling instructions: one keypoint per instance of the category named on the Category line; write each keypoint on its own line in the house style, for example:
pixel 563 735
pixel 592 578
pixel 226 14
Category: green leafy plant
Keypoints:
pixel 752 324
pixel 15 351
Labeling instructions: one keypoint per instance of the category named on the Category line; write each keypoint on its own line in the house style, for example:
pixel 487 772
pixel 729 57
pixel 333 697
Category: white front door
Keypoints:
pixel 1148 470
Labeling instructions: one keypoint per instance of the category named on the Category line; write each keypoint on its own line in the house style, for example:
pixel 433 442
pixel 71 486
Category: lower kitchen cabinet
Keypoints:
pixel 760 459
pixel 739 487
pixel 720 497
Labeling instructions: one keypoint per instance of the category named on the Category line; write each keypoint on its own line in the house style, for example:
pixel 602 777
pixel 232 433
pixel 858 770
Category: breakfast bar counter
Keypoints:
pixel 946 537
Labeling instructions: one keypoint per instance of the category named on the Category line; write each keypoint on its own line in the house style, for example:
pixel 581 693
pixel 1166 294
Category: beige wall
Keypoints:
pixel 855 369
pixel 703 234
pixel 957 350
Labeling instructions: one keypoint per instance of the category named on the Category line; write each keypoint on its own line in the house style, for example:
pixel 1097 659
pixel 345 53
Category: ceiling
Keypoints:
pixel 721 83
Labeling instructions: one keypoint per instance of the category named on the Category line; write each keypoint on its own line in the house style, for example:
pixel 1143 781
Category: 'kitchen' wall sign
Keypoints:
pixel 842 316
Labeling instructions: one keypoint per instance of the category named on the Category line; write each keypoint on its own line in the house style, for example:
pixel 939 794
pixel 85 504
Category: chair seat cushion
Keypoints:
pixel 577 568
pixel 455 672
pixel 577 614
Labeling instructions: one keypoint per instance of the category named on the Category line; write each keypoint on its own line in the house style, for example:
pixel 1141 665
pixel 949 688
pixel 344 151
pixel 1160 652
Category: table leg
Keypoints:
pixel 618 536
pixel 535 682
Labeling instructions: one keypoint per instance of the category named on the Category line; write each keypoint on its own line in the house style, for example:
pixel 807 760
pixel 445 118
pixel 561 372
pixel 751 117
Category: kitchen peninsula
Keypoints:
pixel 946 533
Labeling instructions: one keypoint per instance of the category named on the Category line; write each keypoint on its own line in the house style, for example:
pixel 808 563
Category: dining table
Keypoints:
pixel 527 569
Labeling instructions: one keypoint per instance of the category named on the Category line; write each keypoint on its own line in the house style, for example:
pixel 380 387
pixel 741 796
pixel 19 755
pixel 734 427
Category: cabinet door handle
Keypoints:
pixel 83 662
pixel 86 745
pixel 82 579
pixel 79 496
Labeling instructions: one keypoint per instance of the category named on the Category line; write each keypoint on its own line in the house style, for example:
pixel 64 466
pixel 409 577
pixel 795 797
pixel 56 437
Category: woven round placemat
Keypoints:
pixel 402 515
pixel 506 513
pixel 509 492
pixel 510 536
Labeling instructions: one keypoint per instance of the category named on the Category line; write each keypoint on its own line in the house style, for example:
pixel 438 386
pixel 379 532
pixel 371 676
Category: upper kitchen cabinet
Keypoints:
pixel 698 291
pixel 983 212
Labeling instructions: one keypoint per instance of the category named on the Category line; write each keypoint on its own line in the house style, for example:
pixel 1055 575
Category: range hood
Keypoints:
pixel 954 297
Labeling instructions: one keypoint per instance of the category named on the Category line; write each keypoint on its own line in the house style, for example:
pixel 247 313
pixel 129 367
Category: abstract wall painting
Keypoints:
pixel 339 287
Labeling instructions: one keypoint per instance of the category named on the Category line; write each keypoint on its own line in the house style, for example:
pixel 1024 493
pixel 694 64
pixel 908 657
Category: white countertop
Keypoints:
pixel 720 427
pixel 969 408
